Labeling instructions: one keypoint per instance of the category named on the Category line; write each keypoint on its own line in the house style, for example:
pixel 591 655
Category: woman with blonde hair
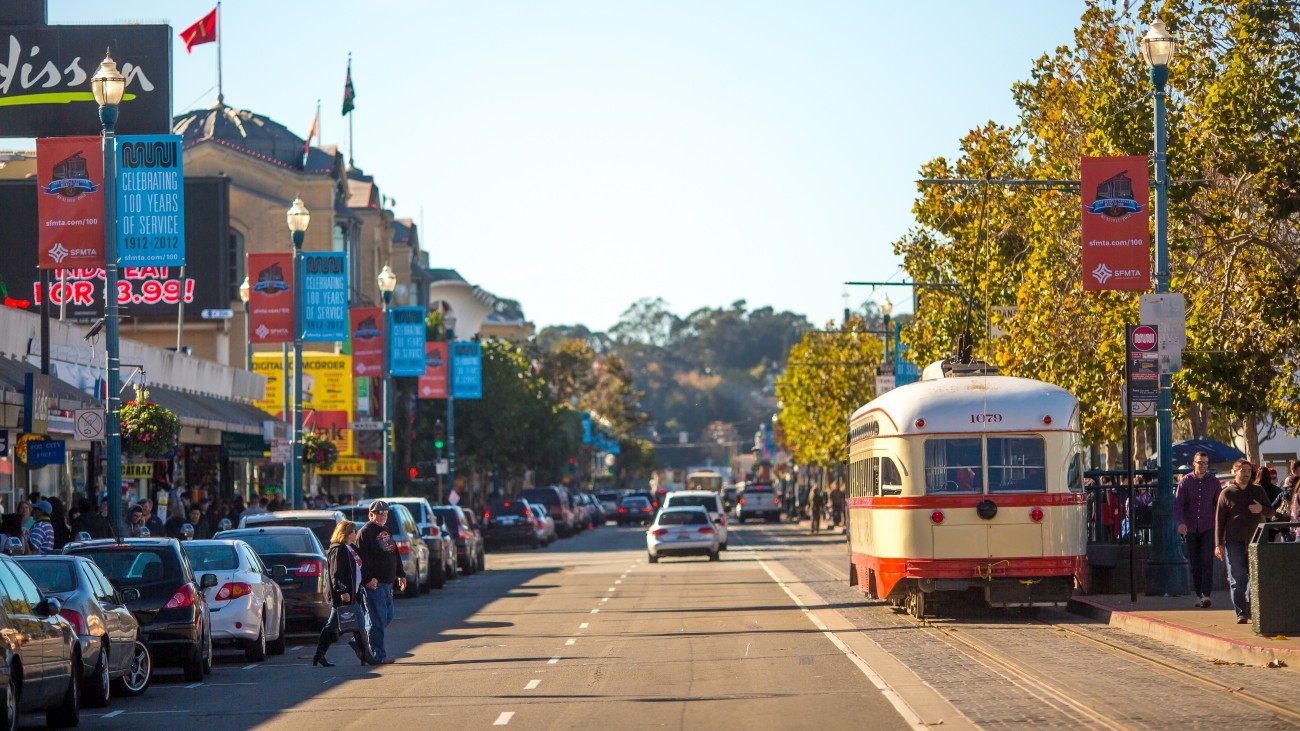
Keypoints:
pixel 343 569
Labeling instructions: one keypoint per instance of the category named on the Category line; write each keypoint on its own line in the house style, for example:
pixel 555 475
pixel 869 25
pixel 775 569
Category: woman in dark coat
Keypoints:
pixel 343 567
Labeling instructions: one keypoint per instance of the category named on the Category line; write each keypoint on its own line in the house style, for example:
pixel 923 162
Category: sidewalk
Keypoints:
pixel 1213 632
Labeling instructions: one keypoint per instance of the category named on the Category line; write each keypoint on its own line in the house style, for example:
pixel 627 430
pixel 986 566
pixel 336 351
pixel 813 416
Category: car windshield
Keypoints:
pixel 51 576
pixel 635 502
pixel 542 495
pixel 322 527
pixel 607 497
pixel 683 517
pixel 508 507
pixel 130 565
pixel 211 557
pixel 272 543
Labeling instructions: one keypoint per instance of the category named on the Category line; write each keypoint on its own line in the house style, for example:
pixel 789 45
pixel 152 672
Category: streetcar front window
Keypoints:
pixel 891 483
pixel 1017 464
pixel 954 465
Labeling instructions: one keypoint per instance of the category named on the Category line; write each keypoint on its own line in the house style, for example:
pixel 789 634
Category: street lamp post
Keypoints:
pixel 887 309
pixel 108 84
pixel 248 341
pixel 387 283
pixel 1167 572
pixel 298 217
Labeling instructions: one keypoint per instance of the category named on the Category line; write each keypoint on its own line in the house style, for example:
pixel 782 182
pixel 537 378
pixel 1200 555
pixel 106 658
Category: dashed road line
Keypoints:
pixel 611 589
pixel 570 641
pixel 532 684
pixel 604 599
pixel 595 611
pixel 112 714
pixel 584 625
pixel 249 667
pixel 617 581
pixel 553 660
pixel 504 718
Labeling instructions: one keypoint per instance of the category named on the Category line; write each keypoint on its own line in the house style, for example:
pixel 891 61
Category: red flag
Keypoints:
pixel 315 129
pixel 204 31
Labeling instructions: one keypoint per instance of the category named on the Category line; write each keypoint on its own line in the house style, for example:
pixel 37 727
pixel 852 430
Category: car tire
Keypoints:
pixel 138 674
pixel 482 562
pixel 193 667
pixel 413 584
pixel 68 712
pixel 722 546
pixel 255 649
pixel 207 659
pixel 95 694
pixel 653 558
pixel 453 570
pixel 715 556
pixel 278 645
pixel 437 576
pixel 10 708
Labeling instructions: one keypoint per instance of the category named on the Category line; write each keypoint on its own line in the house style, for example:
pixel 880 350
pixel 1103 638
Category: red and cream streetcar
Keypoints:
pixel 964 485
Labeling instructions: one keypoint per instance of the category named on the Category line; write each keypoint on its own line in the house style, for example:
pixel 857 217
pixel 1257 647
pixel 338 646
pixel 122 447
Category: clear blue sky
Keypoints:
pixel 577 155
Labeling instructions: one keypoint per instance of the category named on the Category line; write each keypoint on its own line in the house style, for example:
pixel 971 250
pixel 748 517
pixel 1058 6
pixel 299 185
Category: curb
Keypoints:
pixel 1186 638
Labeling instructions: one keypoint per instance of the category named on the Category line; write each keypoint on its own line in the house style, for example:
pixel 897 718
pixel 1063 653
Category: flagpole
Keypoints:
pixel 320 130
pixel 221 97
pixel 351 164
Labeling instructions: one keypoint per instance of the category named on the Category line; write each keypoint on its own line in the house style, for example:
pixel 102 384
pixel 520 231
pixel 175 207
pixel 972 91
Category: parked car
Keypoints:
pixel 581 516
pixel 556 500
pixel 706 499
pixel 545 524
pixel 47 641
pixel 304 587
pixel 247 604
pixel 634 510
pixel 686 531
pixel 171 607
pixel 609 503
pixel 509 522
pixel 758 501
pixel 413 551
pixel 468 550
pixel 475 526
pixel 595 513
pixel 442 551
pixel 321 522
pixel 113 657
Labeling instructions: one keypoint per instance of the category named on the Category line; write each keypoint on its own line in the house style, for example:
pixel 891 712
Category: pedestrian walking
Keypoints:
pixel 1241 507
pixel 343 567
pixel 837 504
pixel 381 568
pixel 41 537
pixel 1195 504
pixel 818 507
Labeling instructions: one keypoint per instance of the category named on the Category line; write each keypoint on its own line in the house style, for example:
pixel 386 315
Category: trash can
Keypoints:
pixel 1274 592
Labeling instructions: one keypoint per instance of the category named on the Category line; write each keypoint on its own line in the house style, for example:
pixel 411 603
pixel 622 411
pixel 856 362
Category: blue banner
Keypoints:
pixel 4 442
pixel 466 370
pixel 322 288
pixel 405 329
pixel 46 451
pixel 150 201
pixel 586 427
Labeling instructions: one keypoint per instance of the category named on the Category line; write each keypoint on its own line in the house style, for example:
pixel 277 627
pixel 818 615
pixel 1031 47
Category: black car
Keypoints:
pixel 510 521
pixel 171 608
pixel 469 554
pixel 33 635
pixel 305 587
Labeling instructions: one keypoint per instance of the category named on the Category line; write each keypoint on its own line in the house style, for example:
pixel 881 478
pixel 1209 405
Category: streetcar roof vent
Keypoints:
pixel 953 369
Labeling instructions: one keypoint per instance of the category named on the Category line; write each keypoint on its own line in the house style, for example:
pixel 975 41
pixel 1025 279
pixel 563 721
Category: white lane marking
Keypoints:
pixel 595 611
pixel 584 625
pixel 570 641
pixel 249 667
pixel 532 684
pixel 553 660
pixel 617 581
pixel 900 705
pixel 111 714
pixel 746 649
pixel 299 647
pixel 604 599
pixel 611 589
pixel 193 685
pixel 504 718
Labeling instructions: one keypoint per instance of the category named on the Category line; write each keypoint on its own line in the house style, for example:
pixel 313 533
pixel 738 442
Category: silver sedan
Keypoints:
pixel 246 605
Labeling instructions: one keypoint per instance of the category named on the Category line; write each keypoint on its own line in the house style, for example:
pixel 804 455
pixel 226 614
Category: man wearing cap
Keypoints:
pixel 41 538
pixel 381 567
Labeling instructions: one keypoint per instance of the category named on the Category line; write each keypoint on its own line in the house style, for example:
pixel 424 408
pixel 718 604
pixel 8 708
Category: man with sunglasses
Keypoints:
pixel 1195 502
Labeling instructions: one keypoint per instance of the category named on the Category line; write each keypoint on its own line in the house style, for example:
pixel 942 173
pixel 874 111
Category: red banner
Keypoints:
pixel 270 297
pixel 433 384
pixel 70 202
pixel 1115 230
pixel 367 341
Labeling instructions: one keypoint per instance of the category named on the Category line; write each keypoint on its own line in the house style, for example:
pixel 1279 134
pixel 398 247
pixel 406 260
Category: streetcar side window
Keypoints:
pixel 1074 477
pixel 954 465
pixel 891 483
pixel 873 474
pixel 1017 464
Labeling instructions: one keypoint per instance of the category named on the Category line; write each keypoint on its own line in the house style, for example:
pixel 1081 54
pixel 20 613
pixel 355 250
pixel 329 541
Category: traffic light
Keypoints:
pixel 438 433
pixel 413 472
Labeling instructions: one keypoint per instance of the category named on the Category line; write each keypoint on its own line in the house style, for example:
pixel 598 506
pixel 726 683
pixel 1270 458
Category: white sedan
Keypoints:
pixel 685 531
pixel 246 605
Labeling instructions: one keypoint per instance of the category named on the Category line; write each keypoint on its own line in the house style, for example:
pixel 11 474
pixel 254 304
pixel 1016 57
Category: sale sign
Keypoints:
pixel 1116 237
pixel 70 202
pixel 270 297
pixel 367 341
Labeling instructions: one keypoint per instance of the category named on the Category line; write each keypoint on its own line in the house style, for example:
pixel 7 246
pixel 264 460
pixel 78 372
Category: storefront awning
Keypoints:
pixel 209 412
pixel 12 375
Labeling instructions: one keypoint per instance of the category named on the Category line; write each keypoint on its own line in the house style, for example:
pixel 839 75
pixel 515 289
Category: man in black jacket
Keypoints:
pixel 381 567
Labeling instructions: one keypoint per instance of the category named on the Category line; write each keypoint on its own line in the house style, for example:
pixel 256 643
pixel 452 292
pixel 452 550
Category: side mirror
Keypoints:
pixel 130 595
pixel 14 546
pixel 224 524
pixel 207 581
pixel 187 531
pixel 279 571
pixel 52 606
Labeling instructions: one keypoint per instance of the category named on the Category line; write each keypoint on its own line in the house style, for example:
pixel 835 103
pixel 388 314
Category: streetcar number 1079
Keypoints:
pixel 985 418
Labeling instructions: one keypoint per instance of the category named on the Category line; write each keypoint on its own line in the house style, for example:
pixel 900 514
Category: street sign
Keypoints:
pixel 1143 339
pixel 443 467
pixel 884 383
pixel 89 424
pixel 281 451
pixel 217 314
pixel 46 451
pixel 368 425
pixel 1168 313
pixel 1142 363
pixel 137 470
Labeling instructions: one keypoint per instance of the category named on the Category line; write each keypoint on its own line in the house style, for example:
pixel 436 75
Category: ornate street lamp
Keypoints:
pixel 298 217
pixel 108 84
pixel 248 341
pixel 887 309
pixel 1166 567
pixel 387 283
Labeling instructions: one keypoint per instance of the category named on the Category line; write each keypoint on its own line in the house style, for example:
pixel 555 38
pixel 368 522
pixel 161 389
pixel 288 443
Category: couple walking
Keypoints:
pixel 363 565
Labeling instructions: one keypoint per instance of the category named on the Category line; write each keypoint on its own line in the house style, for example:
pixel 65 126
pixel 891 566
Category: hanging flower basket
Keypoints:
pixel 148 430
pixel 318 452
